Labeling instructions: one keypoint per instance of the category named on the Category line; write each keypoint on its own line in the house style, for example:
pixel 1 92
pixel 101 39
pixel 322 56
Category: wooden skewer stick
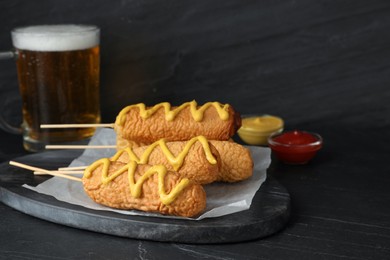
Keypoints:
pixel 28 167
pixel 80 146
pixel 75 168
pixel 76 125
pixel 61 172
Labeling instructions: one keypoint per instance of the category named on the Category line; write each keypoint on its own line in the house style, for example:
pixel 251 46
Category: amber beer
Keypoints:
pixel 58 72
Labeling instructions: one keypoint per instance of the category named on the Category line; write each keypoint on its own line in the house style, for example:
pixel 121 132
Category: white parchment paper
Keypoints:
pixel 222 198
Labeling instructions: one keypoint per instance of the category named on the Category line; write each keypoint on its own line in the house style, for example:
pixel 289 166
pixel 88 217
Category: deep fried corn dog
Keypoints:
pixel 236 161
pixel 196 159
pixel 143 187
pixel 137 124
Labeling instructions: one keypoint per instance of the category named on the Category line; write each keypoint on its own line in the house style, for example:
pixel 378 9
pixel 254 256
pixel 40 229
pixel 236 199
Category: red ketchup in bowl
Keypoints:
pixel 295 147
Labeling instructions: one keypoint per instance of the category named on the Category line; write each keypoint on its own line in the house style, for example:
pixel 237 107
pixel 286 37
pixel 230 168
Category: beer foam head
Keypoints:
pixel 56 37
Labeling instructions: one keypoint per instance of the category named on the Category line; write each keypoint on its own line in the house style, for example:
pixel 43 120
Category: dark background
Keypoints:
pixel 260 56
pixel 322 66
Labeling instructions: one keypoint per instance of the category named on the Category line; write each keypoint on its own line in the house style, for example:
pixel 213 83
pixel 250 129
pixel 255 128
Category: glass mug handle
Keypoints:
pixel 3 123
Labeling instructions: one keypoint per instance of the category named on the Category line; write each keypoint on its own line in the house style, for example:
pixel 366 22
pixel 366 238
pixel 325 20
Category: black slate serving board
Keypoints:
pixel 268 214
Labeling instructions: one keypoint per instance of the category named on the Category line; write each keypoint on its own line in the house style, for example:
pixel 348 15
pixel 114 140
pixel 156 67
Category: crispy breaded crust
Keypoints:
pixel 195 167
pixel 236 161
pixel 183 127
pixel 116 193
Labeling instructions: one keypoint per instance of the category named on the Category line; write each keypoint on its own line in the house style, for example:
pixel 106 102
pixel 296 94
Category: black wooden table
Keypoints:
pixel 340 209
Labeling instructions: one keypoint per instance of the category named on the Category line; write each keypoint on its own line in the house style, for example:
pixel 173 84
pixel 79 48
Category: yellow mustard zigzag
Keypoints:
pixel 197 113
pixel 177 161
pixel 136 186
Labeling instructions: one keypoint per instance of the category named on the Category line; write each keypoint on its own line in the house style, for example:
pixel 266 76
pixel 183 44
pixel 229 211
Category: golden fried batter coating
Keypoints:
pixel 131 126
pixel 236 163
pixel 236 160
pixel 116 193
pixel 200 163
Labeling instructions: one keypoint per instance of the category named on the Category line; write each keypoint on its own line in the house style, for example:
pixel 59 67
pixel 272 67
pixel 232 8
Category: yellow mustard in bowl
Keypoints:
pixel 256 130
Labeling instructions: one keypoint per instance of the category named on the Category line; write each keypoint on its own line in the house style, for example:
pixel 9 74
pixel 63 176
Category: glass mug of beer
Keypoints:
pixel 58 73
